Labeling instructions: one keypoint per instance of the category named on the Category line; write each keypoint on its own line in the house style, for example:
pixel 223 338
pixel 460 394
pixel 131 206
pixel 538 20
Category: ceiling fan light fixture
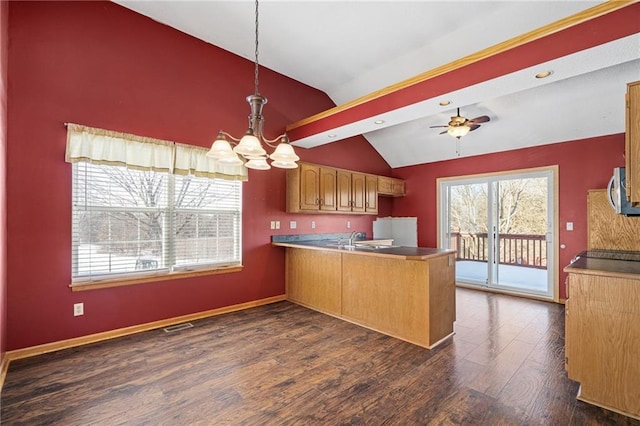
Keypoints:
pixel 459 126
pixel 459 131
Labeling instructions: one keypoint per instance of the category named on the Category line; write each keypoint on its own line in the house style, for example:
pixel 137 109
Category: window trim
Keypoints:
pixel 153 278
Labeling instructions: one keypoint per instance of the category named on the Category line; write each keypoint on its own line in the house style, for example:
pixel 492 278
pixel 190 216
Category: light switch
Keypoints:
pixel 273 224
pixel 569 226
pixel 277 224
pixel 293 224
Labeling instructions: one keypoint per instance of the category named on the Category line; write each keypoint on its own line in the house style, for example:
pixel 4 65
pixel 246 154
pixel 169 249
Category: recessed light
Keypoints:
pixel 379 121
pixel 544 74
pixel 445 103
pixel 332 135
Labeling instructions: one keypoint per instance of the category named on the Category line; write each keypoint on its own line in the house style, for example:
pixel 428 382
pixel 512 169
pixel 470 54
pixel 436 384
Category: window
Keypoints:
pixel 134 221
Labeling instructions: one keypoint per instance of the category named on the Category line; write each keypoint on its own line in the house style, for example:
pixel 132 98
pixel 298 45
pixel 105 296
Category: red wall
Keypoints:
pixel 583 165
pixel 99 64
pixel 4 51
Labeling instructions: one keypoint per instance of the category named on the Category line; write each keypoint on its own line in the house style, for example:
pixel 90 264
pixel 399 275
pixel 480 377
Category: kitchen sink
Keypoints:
pixel 375 247
pixel 360 246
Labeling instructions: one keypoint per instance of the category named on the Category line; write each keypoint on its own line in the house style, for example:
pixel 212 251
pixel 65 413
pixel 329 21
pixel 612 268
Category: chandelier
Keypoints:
pixel 249 150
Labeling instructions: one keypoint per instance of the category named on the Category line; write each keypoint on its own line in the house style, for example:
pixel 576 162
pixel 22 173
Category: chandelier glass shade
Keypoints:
pixel 249 150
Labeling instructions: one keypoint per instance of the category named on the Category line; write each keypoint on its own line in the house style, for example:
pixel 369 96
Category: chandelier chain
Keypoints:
pixel 256 54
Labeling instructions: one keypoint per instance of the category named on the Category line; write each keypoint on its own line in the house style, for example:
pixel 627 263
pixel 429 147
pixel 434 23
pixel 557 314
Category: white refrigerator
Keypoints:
pixel 403 230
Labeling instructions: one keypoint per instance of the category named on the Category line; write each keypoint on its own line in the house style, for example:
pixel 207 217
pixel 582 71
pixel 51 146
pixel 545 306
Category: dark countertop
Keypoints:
pixel 606 263
pixel 407 253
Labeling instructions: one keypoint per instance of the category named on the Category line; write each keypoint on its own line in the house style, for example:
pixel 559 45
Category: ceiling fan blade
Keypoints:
pixel 442 133
pixel 433 127
pixel 473 127
pixel 481 119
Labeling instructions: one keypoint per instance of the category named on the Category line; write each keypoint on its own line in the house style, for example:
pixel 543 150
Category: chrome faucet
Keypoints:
pixel 354 234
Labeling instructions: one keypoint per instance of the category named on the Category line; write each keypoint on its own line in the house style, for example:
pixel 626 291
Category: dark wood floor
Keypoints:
pixel 283 364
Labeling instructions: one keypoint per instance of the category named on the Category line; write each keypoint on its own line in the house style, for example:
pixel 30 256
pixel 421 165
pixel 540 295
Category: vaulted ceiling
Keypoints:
pixel 394 62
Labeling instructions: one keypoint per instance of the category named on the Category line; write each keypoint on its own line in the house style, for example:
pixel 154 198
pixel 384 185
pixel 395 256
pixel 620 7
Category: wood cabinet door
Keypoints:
pixel 385 185
pixel 398 187
pixel 327 189
pixel 358 192
pixel 371 194
pixel 314 279
pixel 309 187
pixel 632 141
pixel 344 191
pixel 571 333
pixel 602 340
pixel 390 186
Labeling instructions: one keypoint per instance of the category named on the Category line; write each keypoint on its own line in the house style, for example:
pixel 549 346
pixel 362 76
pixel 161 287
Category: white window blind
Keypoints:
pixel 128 221
pixel 206 221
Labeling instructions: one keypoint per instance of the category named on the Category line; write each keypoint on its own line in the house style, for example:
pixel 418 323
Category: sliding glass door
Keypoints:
pixel 501 227
pixel 467 229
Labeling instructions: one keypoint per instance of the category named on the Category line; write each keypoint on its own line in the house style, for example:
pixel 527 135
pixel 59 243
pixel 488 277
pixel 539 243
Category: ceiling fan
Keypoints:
pixel 459 126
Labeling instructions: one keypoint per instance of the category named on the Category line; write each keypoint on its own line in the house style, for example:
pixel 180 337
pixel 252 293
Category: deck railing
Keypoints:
pixel 514 249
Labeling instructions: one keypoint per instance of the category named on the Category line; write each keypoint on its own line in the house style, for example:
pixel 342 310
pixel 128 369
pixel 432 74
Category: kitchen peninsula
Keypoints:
pixel 404 292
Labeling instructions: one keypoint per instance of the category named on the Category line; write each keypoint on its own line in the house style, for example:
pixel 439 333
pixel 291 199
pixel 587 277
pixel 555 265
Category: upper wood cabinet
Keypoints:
pixel 312 188
pixel 390 186
pixel 632 141
pixel 371 194
pixel 357 192
pixel 344 195
pixel 607 230
pixel 328 189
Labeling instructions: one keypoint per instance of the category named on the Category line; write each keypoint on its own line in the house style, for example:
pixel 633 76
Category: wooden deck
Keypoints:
pixel 282 364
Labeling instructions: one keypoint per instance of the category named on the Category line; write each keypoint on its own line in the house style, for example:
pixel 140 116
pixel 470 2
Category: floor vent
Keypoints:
pixel 178 327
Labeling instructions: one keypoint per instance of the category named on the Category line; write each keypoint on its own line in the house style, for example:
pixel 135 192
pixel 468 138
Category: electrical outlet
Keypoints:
pixel 313 224
pixel 293 224
pixel 348 224
pixel 78 309
pixel 569 226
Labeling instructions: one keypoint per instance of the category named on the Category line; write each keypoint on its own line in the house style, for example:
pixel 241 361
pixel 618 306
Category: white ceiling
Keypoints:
pixel 349 49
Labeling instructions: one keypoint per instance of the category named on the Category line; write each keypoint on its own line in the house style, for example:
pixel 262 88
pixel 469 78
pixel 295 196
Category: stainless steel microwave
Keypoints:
pixel 617 191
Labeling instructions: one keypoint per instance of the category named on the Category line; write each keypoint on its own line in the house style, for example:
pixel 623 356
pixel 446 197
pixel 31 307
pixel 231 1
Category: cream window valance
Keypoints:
pixel 99 146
